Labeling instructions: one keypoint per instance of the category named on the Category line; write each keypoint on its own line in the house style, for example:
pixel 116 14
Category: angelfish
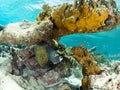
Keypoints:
pixel 55 57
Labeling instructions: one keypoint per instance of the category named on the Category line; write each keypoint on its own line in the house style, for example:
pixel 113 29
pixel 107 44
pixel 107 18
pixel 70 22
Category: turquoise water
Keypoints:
pixel 18 10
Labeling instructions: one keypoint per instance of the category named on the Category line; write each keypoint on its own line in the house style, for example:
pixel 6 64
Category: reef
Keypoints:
pixel 42 58
pixel 21 68
pixel 89 65
pixel 26 32
pixel 53 22
pixel 109 79
pixel 44 64
pixel 82 17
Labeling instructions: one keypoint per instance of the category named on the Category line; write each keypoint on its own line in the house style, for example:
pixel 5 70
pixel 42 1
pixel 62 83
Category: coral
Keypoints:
pixel 86 60
pixel 41 55
pixel 84 16
pixel 54 22
pixel 64 87
pixel 99 57
pixel 26 32
pixel 45 14
pixel 88 63
pixel 86 83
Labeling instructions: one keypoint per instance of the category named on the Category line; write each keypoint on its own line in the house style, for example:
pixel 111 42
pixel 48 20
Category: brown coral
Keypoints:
pixel 82 17
pixel 73 20
pixel 86 60
pixel 88 63
pixel 54 22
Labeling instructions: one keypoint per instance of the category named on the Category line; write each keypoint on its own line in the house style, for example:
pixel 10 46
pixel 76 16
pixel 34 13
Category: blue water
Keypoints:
pixel 18 10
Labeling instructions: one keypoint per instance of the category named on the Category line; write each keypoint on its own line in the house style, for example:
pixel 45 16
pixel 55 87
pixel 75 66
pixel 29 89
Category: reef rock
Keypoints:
pixel 89 66
pixel 108 79
pixel 53 22
pixel 26 32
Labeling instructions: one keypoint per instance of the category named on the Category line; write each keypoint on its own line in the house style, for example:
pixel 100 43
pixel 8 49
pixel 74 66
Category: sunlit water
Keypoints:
pixel 17 10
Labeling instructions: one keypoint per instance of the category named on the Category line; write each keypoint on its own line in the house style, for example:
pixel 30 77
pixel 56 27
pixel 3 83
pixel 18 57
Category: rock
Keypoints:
pixel 33 82
pixel 20 81
pixel 108 79
pixel 7 83
pixel 64 87
pixel 9 68
pixel 26 32
pixel 41 84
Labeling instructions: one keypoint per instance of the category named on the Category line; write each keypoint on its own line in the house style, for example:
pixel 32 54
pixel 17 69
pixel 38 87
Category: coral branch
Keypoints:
pixel 75 3
pixel 88 63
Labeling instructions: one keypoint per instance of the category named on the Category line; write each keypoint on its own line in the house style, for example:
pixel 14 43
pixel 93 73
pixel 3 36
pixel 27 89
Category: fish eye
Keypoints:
pixel 60 58
pixel 55 55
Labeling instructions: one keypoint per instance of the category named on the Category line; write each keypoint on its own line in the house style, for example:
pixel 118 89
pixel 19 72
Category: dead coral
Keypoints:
pixel 26 32
pixel 88 63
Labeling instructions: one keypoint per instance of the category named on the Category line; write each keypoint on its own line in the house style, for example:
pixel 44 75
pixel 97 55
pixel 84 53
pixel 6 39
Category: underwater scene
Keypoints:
pixel 59 44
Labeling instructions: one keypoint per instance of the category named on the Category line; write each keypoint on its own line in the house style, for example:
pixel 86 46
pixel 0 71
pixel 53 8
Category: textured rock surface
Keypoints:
pixel 108 79
pixel 26 32
pixel 7 83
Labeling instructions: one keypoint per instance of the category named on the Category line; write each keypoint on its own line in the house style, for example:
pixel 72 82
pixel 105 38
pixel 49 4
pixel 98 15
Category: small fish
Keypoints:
pixel 55 57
